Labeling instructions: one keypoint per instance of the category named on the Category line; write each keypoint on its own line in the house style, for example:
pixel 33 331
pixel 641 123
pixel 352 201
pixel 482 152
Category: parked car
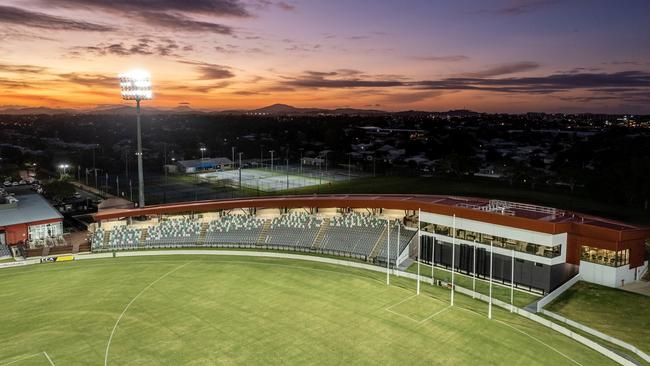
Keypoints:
pixel 7 183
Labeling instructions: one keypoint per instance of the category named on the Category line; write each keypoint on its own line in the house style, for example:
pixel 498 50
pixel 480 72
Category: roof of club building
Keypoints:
pixel 30 207
pixel 195 163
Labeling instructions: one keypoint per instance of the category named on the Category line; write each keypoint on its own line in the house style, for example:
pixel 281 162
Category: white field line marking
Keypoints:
pixel 31 356
pixel 401 302
pixel 434 314
pixel 108 345
pixel 403 315
pixel 48 358
pixel 22 358
pixel 526 334
pixel 419 322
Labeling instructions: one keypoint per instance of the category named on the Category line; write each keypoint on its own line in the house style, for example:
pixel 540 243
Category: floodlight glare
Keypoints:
pixel 136 85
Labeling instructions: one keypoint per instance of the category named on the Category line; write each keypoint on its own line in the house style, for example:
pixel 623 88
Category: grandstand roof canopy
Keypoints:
pixel 31 207
pixel 532 217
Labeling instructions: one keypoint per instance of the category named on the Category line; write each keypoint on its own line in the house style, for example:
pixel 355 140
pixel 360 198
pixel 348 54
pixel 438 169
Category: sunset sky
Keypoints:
pixel 492 56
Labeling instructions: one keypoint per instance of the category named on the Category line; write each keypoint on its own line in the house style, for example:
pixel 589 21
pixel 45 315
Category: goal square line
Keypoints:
pixel 418 308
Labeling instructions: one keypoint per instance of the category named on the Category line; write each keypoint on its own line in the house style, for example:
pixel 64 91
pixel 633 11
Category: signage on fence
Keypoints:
pixel 63 258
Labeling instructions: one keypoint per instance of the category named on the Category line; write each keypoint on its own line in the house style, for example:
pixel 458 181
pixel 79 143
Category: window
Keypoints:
pixel 497 241
pixel 605 256
pixel 37 232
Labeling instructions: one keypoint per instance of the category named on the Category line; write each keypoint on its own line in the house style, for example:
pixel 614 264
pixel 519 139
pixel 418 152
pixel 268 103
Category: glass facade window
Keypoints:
pixel 37 232
pixel 497 241
pixel 606 257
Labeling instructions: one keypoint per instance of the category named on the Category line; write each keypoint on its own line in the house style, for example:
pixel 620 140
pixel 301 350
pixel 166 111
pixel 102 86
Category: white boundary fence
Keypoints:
pixel 536 318
pixel 15 264
pixel 598 334
pixel 557 292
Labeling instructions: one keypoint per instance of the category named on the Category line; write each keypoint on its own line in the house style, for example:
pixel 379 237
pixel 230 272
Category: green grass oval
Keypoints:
pixel 207 310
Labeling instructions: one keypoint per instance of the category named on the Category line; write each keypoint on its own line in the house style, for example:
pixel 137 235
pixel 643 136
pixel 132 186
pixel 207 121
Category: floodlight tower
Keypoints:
pixel 136 85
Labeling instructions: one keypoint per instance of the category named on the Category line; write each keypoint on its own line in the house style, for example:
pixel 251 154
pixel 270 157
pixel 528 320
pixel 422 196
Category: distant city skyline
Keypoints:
pixel 489 56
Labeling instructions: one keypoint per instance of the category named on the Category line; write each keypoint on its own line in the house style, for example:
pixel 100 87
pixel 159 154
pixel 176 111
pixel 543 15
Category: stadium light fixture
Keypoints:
pixel 136 85
pixel 64 168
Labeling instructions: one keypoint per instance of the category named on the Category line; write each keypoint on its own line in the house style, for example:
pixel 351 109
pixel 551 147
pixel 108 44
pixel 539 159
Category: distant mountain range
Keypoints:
pixel 35 110
pixel 275 109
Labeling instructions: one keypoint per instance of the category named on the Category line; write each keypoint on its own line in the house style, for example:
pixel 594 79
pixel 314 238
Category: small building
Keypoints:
pixel 313 161
pixel 28 217
pixel 197 165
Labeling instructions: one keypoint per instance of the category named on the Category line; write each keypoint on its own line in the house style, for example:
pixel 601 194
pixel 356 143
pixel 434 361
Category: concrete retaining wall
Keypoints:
pixel 557 292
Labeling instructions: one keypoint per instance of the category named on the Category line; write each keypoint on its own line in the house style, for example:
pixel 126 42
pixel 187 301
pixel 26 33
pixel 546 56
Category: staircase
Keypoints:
pixel 318 240
pixel 107 236
pixel 143 236
pixel 204 230
pixel 261 240
pixel 377 247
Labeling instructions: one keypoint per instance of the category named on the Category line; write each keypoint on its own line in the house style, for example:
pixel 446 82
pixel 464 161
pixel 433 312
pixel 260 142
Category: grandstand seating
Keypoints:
pixel 405 236
pixel 353 233
pixel 361 236
pixel 97 239
pixel 234 231
pixel 124 237
pixel 4 250
pixel 177 232
pixel 293 230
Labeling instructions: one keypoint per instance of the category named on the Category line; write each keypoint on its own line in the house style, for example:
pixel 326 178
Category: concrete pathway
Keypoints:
pixel 640 287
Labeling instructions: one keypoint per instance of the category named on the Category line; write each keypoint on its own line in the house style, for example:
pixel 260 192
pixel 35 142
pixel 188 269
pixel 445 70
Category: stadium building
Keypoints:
pixel 540 247
pixel 28 218
pixel 196 165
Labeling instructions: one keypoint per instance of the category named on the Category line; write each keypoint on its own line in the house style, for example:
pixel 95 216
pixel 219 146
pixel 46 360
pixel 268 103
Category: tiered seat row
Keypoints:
pixel 97 239
pixel 353 233
pixel 405 236
pixel 124 237
pixel 293 230
pixel 234 230
pixel 179 232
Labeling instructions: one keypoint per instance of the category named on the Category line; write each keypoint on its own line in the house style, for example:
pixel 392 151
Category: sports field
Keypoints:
pixel 205 310
pixel 267 180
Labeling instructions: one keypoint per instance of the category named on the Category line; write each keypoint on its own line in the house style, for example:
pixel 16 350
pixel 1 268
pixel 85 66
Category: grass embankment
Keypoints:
pixel 621 314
